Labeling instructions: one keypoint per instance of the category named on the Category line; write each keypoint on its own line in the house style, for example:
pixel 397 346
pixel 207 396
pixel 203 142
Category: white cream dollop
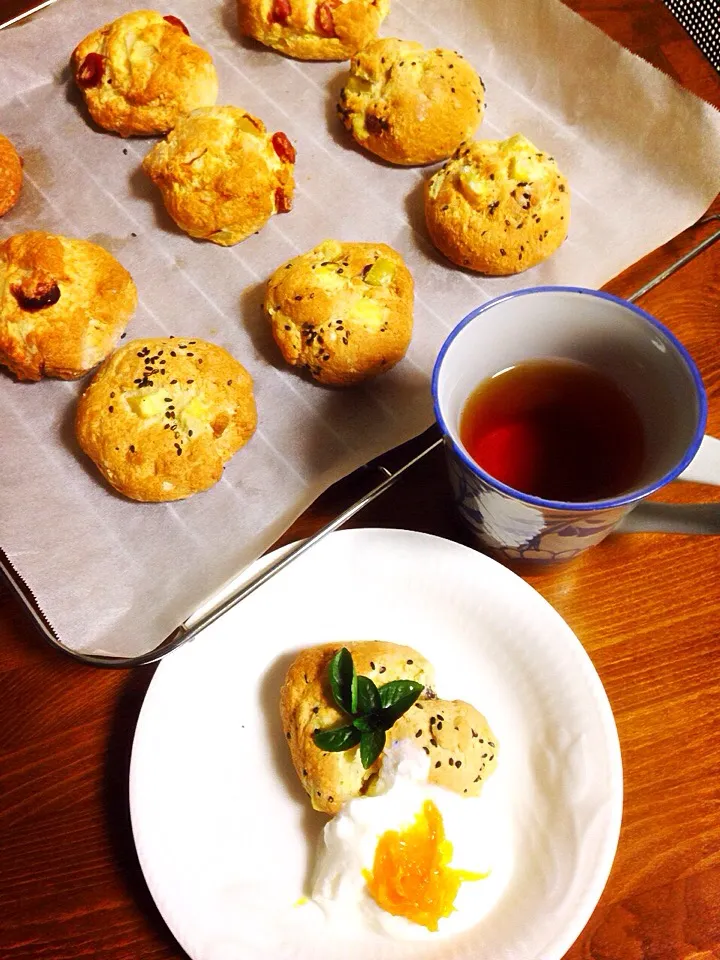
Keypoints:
pixel 475 826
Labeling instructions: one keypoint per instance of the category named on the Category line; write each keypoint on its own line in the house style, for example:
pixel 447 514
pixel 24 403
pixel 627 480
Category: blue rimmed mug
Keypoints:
pixel 615 338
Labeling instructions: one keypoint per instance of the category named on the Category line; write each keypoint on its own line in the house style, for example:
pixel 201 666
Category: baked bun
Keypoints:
pixel 306 704
pixel 456 736
pixel 162 416
pixel 221 174
pixel 343 310
pixel 63 305
pixel 312 29
pixel 142 72
pixel 498 207
pixel 10 175
pixel 410 105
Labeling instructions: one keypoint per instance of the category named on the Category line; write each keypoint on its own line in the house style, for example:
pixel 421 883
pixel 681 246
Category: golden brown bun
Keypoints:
pixel 410 105
pixel 306 704
pixel 63 305
pixel 456 736
pixel 221 175
pixel 327 315
pixel 498 207
pixel 142 72
pixel 312 29
pixel 10 175
pixel 162 416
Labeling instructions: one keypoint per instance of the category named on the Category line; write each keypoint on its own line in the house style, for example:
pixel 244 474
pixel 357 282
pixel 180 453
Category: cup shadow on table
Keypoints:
pixel 117 806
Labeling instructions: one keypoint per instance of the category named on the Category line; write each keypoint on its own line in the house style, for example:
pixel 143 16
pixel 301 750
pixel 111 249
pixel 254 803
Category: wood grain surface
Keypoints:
pixel 646 608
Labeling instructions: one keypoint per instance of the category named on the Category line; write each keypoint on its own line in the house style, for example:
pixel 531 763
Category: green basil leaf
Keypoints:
pixel 396 698
pixel 372 721
pixel 368 700
pixel 343 681
pixel 334 741
pixel 371 746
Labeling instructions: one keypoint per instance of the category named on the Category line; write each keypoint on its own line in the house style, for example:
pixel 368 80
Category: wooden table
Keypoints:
pixel 646 607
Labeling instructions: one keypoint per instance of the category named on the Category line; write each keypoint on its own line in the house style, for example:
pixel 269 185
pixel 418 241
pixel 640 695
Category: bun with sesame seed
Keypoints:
pixel 410 105
pixel 498 207
pixel 457 738
pixel 306 703
pixel 344 311
pixel 63 305
pixel 162 416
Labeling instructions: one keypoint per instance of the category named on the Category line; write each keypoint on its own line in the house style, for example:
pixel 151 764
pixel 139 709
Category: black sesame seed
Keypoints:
pixel 131 448
pixel 408 662
pixel 372 665
pixel 433 741
pixel 304 772
pixel 190 381
pixel 330 799
pixel 315 709
pixel 288 735
pixel 172 382
pixel 418 734
pixel 490 743
pixel 473 733
pixel 491 757
pixel 382 669
pixel 439 726
pixel 111 409
pixel 502 252
pixel 451 762
pixel 477 778
pixel 437 764
pixel 458 763
pixel 440 716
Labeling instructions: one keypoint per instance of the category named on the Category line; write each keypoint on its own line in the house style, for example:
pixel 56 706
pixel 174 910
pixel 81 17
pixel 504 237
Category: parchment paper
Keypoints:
pixel 643 160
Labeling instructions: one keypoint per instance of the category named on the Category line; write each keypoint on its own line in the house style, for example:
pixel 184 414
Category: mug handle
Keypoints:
pixel 649 516
pixel 705 465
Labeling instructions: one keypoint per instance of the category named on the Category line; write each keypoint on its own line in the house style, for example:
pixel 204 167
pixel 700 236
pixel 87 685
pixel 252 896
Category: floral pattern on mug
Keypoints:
pixel 515 530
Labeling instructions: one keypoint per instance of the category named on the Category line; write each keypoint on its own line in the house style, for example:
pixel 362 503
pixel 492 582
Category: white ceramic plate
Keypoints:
pixel 224 832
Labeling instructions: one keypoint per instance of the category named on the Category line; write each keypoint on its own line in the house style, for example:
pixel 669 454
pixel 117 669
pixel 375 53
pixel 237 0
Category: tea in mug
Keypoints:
pixel 555 429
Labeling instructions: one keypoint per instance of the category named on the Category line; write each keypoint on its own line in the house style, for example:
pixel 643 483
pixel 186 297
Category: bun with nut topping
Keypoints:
pixel 312 29
pixel 142 72
pixel 11 173
pixel 63 305
pixel 222 175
